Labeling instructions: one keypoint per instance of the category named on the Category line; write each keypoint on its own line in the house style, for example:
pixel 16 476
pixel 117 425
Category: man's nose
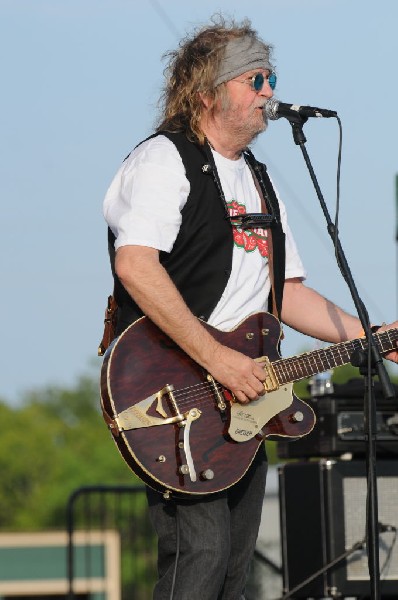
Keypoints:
pixel 266 90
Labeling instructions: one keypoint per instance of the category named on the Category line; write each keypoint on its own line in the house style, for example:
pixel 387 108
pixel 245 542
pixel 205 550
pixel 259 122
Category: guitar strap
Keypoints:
pixel 110 320
pixel 264 210
pixel 269 204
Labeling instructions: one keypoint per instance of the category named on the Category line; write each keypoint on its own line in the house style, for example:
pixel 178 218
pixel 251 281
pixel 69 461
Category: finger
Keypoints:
pixel 259 371
pixel 241 398
pixel 249 393
pixel 257 387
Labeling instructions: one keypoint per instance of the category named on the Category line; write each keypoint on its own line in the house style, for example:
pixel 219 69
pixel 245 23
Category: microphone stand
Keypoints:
pixel 369 362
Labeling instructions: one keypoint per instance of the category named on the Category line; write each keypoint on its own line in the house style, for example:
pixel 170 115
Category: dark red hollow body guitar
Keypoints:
pixel 179 430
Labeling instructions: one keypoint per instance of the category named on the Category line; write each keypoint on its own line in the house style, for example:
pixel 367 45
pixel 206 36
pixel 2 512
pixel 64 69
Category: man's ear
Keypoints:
pixel 206 100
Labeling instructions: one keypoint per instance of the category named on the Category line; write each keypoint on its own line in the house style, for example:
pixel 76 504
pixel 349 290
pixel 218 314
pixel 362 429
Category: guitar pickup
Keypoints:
pixel 271 382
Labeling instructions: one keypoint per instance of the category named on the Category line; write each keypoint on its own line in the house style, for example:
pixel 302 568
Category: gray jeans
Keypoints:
pixel 217 538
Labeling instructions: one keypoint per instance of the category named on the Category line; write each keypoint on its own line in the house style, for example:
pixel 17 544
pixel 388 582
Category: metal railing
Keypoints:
pixel 120 509
pixel 123 511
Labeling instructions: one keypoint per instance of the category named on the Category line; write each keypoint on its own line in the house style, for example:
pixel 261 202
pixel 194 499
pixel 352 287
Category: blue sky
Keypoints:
pixel 80 83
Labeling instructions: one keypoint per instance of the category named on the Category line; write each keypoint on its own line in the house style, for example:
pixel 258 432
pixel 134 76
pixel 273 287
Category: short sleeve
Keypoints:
pixel 144 201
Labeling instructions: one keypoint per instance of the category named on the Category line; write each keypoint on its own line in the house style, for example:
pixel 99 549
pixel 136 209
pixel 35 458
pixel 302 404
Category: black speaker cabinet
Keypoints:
pixel 323 514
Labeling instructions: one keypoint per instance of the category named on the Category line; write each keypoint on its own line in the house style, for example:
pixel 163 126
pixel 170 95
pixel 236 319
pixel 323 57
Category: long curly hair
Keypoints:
pixel 192 70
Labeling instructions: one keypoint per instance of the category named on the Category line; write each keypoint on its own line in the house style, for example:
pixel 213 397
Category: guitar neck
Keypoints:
pixel 288 370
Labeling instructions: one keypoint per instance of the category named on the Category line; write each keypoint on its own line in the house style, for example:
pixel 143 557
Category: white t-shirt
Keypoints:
pixel 143 207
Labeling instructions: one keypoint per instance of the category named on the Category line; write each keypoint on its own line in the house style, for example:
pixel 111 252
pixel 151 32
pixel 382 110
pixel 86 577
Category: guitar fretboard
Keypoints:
pixel 288 370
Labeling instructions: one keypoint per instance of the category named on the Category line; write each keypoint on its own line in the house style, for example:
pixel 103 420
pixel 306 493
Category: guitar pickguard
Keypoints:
pixel 247 420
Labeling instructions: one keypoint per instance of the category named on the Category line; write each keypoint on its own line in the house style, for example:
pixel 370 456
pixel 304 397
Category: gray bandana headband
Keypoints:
pixel 241 55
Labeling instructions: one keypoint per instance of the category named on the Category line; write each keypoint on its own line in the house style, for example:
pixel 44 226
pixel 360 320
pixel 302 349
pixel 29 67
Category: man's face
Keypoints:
pixel 242 112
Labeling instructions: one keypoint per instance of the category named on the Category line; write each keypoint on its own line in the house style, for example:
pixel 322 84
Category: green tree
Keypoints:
pixel 55 442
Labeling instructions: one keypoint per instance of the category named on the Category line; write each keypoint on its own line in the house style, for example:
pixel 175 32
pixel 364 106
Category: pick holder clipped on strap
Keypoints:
pixel 252 220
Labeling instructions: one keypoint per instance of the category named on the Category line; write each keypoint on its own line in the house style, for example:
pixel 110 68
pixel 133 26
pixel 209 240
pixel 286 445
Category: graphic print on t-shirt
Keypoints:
pixel 248 239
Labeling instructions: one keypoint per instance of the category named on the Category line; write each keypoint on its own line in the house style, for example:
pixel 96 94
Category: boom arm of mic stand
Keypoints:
pixel 374 362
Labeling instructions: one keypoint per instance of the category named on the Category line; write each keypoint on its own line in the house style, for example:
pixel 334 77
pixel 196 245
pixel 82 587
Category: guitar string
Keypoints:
pixel 321 358
pixel 204 391
pixel 327 358
pixel 290 369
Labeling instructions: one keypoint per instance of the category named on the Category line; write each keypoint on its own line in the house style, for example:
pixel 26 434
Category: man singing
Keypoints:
pixel 180 251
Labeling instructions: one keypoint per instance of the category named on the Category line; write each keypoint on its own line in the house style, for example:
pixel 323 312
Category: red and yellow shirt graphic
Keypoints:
pixel 248 239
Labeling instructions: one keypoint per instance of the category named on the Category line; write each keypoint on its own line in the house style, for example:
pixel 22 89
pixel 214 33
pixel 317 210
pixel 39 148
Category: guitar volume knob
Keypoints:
pixel 207 475
pixel 297 417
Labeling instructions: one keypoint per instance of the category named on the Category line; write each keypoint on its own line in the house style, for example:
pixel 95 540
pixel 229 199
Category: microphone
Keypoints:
pixel 275 110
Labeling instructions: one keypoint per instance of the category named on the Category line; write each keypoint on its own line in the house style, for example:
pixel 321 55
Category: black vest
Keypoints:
pixel 201 259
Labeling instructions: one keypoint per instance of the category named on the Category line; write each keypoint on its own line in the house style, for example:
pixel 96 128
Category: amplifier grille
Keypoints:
pixel 323 515
pixel 354 493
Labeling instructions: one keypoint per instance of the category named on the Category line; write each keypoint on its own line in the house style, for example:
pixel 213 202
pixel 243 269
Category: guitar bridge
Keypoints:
pixel 219 398
pixel 271 382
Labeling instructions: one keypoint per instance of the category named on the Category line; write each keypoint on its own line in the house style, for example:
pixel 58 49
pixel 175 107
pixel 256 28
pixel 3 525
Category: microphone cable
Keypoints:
pixel 178 536
pixel 338 178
